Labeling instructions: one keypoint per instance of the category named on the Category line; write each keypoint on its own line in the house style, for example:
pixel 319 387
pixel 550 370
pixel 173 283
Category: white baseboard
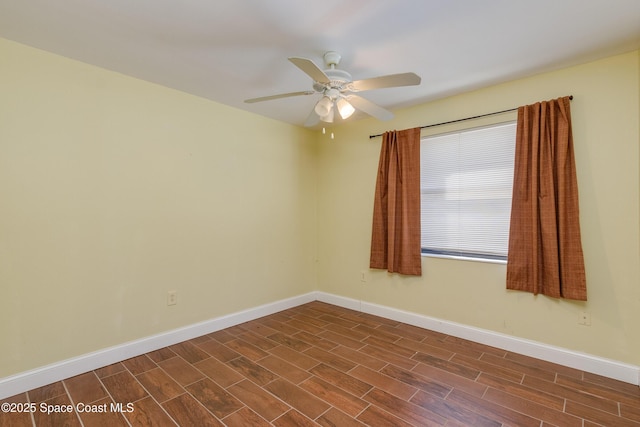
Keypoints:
pixel 582 361
pixel 39 377
pixel 44 375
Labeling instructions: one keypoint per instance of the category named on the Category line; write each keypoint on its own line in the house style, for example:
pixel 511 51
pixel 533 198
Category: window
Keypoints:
pixel 466 181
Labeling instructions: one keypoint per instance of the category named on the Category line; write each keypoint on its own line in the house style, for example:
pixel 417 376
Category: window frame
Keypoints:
pixel 462 255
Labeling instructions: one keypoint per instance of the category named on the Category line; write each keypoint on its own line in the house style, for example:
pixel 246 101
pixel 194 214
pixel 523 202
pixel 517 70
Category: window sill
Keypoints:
pixel 464 258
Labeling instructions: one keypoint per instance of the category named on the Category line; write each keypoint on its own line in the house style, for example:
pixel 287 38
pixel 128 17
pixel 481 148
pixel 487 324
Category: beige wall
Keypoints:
pixel 114 191
pixel 606 116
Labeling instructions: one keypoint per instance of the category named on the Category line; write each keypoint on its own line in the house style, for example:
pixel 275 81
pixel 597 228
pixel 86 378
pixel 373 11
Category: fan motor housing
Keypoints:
pixel 338 80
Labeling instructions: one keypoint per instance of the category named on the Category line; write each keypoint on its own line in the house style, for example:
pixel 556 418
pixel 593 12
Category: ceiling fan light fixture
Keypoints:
pixel 338 89
pixel 345 108
pixel 328 117
pixel 324 106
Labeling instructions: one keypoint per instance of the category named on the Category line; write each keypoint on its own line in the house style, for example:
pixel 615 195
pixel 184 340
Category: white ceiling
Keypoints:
pixel 231 50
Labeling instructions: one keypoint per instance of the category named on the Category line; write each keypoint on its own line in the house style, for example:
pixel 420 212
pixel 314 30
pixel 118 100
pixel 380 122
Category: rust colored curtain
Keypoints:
pixel 545 249
pixel 395 240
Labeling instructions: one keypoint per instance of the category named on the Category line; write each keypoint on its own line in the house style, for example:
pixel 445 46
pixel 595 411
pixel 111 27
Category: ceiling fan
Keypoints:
pixel 338 90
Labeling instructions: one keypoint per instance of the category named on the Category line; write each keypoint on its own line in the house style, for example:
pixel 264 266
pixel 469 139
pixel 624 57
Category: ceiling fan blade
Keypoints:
pixel 311 69
pixel 392 80
pixel 282 95
pixel 369 107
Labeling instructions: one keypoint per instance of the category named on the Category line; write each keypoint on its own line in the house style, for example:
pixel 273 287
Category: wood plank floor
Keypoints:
pixel 319 364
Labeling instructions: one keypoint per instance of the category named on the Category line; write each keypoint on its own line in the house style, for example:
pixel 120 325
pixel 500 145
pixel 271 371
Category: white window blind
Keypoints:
pixel 466 186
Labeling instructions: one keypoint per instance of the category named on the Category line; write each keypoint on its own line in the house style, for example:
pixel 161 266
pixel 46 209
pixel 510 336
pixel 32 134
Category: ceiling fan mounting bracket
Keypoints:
pixel 332 59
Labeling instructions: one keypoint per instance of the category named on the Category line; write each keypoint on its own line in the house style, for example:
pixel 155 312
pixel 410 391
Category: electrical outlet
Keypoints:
pixel 172 297
pixel 584 318
pixel 363 276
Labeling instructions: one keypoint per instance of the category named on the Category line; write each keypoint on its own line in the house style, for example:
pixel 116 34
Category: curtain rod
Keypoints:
pixel 462 120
